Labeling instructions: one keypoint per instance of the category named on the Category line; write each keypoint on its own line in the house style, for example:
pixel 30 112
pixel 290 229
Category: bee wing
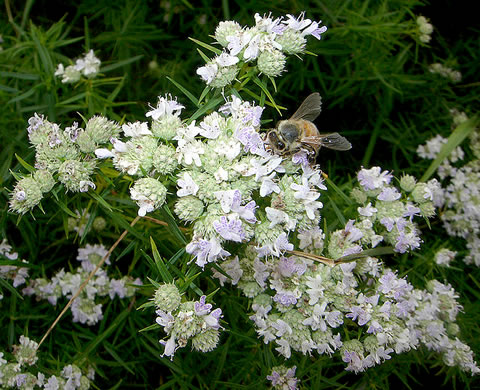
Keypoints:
pixel 332 141
pixel 310 108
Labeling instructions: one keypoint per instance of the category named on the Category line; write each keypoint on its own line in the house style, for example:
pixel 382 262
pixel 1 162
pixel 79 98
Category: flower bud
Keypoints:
pixel 271 63
pixel 44 180
pixel 407 183
pixel 99 223
pixel 25 195
pixel 292 42
pixel 166 127
pixel 101 129
pixel 206 341
pixel 167 297
pixel 189 208
pixel 149 194
pixel 164 159
pixel 75 175
pixel 226 29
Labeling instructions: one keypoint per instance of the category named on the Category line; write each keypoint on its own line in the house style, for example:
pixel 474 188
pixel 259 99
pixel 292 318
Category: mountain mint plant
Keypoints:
pixel 237 219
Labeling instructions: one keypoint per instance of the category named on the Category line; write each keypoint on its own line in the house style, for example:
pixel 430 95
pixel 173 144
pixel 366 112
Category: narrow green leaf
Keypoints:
pixel 162 269
pixel 21 76
pixel 64 207
pixel 23 96
pixel 185 91
pixel 264 88
pixel 337 189
pixel 203 55
pixel 100 200
pixel 456 138
pixel 24 164
pixel 9 287
pixel 119 64
pixel 206 46
pixel 383 250
pixel 203 109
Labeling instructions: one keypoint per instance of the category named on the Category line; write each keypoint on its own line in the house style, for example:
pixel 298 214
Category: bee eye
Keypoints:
pixel 280 145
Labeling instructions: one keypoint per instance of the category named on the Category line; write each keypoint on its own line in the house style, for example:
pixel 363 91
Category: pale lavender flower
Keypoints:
pixel 230 229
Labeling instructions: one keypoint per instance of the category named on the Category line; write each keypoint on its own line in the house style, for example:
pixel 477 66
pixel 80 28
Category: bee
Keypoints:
pixel 299 133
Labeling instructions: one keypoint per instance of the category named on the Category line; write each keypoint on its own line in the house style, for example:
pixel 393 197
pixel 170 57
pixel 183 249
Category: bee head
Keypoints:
pixel 275 141
pixel 289 131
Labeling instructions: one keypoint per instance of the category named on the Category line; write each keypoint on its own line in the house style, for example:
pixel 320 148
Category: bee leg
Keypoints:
pixel 311 153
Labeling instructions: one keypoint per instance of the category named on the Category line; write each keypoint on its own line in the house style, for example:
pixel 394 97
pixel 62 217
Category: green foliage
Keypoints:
pixel 372 72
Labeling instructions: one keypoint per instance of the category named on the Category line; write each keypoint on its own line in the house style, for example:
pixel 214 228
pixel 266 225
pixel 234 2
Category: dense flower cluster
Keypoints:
pixel 459 195
pixel 11 272
pixel 302 305
pixel 267 43
pixel 425 29
pixel 85 308
pixel 453 75
pixel 184 321
pixel 87 66
pixel 63 156
pixel 15 374
pixel 283 378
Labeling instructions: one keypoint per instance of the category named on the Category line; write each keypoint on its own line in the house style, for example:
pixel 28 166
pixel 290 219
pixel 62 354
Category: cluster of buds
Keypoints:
pixel 15 374
pixel 267 43
pixel 63 156
pixel 184 321
pixel 87 66
pixel 453 75
pixel 425 29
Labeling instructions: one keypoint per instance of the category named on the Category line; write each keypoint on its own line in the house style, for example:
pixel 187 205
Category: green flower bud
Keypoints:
pixel 101 129
pixel 187 323
pixel 26 195
pixel 359 195
pixel 271 63
pixel 75 175
pixel 99 223
pixel 51 157
pixel 292 42
pixel 353 345
pixel 167 297
pixel 225 29
pixel 164 159
pixel 224 76
pixel 419 193
pixel 44 180
pixel 250 289
pixel 427 209
pixel 85 142
pixel 407 183
pixel 206 341
pixel 138 157
pixel 166 127
pixel 149 194
pixel 189 208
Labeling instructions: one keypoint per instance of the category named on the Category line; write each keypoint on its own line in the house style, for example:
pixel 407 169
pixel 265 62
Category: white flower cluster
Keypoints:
pixel 425 29
pixel 85 308
pixel 14 374
pixel 268 43
pixel 460 192
pixel 386 213
pixel 184 321
pixel 302 306
pixel 11 272
pixel 87 66
pixel 453 75
pixel 219 163
pixel 63 156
